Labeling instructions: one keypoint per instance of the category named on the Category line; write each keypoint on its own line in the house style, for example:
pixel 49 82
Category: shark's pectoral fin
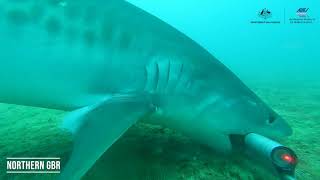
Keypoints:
pixel 98 127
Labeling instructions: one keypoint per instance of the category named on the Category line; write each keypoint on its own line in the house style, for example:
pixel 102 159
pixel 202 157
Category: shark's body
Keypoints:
pixel 112 64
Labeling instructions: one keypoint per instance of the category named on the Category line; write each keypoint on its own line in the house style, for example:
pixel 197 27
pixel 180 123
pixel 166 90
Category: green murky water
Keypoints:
pixel 152 152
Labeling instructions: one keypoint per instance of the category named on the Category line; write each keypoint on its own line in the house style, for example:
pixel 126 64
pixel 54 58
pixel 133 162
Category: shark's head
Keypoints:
pixel 260 118
pixel 245 114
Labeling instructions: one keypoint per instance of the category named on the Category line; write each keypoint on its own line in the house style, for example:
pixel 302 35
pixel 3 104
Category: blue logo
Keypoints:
pixel 302 12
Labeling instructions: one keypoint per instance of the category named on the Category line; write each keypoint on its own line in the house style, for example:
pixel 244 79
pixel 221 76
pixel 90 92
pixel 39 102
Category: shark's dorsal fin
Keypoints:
pixel 100 126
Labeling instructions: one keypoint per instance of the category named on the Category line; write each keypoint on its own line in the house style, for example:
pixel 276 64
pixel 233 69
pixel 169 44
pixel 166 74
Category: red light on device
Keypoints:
pixel 284 158
pixel 288 158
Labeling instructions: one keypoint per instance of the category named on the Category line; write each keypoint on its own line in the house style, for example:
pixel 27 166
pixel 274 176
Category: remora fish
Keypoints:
pixel 111 64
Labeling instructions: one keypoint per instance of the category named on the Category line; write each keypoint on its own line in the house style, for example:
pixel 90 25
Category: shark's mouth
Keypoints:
pixel 281 159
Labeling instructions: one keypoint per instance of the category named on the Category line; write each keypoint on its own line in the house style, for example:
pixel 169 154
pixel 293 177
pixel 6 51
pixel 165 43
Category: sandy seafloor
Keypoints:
pixel 157 153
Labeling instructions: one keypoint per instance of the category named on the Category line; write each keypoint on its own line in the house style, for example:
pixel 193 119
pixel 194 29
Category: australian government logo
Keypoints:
pixel 31 165
pixel 265 16
pixel 302 16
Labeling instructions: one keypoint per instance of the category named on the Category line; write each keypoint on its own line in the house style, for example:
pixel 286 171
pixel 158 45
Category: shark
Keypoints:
pixel 111 64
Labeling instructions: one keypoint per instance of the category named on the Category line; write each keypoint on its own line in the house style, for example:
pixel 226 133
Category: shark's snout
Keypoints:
pixel 280 128
pixel 268 122
pixel 285 128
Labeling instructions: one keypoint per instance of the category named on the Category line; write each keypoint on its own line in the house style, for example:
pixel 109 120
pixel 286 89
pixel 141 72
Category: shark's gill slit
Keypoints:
pixel 168 74
pixel 157 76
pixel 146 79
pixel 180 73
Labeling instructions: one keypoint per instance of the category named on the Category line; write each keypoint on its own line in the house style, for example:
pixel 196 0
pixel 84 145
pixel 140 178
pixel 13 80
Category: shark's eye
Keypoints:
pixel 271 119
